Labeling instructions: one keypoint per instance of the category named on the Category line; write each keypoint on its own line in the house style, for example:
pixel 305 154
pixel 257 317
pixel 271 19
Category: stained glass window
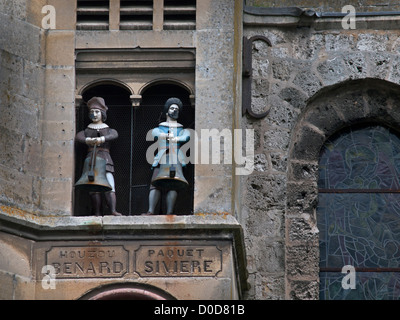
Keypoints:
pixel 359 214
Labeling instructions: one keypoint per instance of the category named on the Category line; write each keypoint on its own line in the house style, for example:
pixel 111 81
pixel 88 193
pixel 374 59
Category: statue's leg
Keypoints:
pixel 171 199
pixel 111 200
pixel 96 203
pixel 154 198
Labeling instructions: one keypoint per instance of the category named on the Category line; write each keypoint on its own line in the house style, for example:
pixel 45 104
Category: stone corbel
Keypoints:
pixel 136 99
pixel 78 101
pixel 192 99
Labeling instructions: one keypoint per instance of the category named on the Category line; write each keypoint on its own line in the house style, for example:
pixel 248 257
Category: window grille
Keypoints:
pixel 179 14
pixel 136 15
pixel 92 15
pixel 132 171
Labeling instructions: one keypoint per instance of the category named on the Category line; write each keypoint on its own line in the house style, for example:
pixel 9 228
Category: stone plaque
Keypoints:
pixel 178 261
pixel 88 262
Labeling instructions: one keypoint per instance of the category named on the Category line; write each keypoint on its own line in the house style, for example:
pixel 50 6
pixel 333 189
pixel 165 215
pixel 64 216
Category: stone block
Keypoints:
pixel 269 257
pixel 65 14
pixel 302 229
pixel 304 290
pixel 261 163
pixel 34 13
pixel 58 112
pixel 58 130
pixel 19 187
pixel 302 197
pixel 278 161
pixel 302 261
pixel 379 64
pixel 265 223
pixel 352 105
pixel 276 140
pixel 32 157
pixel 33 81
pixel 332 70
pixel 56 196
pixel 21 115
pixel 213 194
pixel 303 171
pixel 356 65
pixel 128 39
pixel 58 159
pixel 324 117
pixel 55 80
pixel 21 39
pixel 7 286
pixel 339 42
pixel 272 287
pixel 282 69
pixel 215 15
pixel 308 81
pixel 372 42
pixel 294 97
pixel 11 148
pixel 15 255
pixel 60 47
pixel 306 144
pixel 265 191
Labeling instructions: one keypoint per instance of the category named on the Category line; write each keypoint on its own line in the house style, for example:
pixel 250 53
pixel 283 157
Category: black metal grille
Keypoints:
pixel 132 171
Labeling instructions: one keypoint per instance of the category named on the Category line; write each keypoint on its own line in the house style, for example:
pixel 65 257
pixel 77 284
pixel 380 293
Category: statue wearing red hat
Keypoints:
pixel 100 135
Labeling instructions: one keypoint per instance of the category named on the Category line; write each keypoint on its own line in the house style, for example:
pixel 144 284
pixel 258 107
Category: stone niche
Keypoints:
pixel 178 257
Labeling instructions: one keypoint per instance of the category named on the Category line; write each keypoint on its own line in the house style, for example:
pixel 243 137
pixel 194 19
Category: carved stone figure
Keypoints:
pixel 169 160
pixel 100 135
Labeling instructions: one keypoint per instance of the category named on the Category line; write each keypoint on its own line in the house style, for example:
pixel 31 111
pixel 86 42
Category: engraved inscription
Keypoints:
pixel 88 262
pixel 178 261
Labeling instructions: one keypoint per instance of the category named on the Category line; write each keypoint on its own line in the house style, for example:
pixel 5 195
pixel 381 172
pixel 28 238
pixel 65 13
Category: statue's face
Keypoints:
pixel 173 111
pixel 95 115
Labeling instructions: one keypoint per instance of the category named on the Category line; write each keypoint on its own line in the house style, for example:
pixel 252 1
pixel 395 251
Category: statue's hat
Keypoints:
pixel 97 103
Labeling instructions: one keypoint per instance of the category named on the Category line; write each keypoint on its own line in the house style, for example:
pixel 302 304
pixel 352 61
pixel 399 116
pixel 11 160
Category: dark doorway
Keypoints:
pixel 132 171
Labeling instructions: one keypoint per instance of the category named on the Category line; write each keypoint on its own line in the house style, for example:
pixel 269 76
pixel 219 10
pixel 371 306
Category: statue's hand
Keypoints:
pixel 91 141
pixel 163 136
pixel 99 141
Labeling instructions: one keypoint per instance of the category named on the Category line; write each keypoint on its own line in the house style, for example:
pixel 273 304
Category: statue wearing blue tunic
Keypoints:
pixel 169 160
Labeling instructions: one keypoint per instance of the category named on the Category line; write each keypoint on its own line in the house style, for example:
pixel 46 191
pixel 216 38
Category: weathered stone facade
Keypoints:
pixel 315 79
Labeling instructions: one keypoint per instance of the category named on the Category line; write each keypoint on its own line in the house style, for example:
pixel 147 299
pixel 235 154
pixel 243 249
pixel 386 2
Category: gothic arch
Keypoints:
pixel 328 111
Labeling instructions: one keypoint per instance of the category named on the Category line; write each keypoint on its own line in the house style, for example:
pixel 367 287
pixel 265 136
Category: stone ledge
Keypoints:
pixel 294 16
pixel 201 227
pixel 34 227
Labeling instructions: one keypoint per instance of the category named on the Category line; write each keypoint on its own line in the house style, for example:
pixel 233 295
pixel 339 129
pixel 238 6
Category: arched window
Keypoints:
pixel 132 171
pixel 358 214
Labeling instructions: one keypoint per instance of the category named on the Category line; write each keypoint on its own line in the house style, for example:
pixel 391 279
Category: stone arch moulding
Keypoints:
pixel 169 81
pixel 127 291
pixel 135 99
pixel 331 109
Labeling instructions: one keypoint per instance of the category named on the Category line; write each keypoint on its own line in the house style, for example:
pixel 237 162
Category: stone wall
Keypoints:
pixel 21 95
pixel 330 6
pixel 37 101
pixel 314 81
